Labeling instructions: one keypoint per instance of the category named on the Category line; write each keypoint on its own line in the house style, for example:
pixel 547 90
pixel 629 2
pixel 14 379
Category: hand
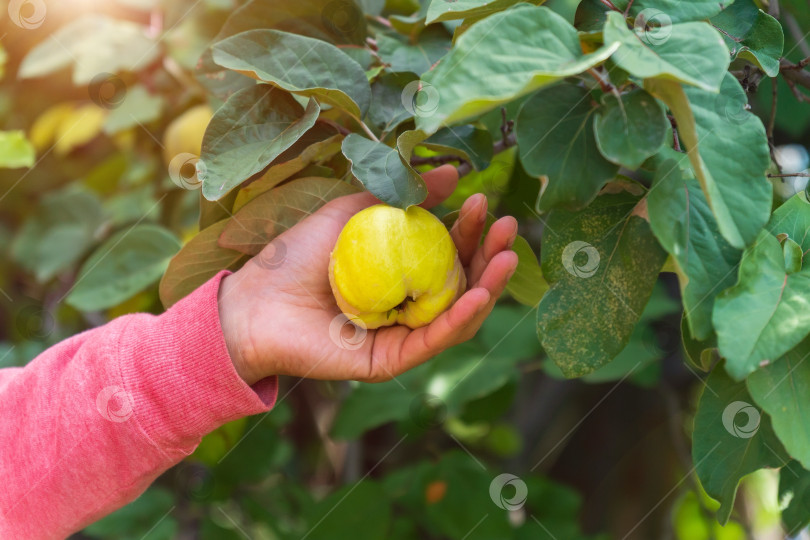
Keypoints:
pixel 277 320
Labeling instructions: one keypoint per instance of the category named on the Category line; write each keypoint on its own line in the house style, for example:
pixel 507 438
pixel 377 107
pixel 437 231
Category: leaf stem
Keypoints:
pixel 790 175
pixel 367 130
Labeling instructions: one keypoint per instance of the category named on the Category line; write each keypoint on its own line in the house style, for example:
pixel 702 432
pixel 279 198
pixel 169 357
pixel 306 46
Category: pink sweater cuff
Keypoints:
pixel 183 383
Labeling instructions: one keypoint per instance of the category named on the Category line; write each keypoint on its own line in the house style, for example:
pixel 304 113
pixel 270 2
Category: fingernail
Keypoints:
pixel 511 242
pixel 512 273
pixel 482 210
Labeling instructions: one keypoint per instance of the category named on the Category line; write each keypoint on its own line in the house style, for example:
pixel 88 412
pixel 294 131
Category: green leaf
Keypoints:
pixel 448 10
pixel 387 110
pixel 692 53
pixel 298 64
pixel 15 150
pixel 276 210
pixel 793 219
pixel 471 142
pixel 128 262
pixel 416 55
pixel 601 263
pixel 95 45
pixel 138 107
pixel 505 56
pixel 794 485
pixel 334 21
pixel 718 125
pixel 701 354
pixel 664 12
pixel 782 389
pixel 364 513
pixel 58 233
pixel 199 260
pixel 793 256
pixel 148 515
pixel 730 440
pixel 384 172
pixel 631 129
pixel 683 223
pixel 555 138
pixel 253 127
pixel 763 316
pixel 316 153
pixel 752 34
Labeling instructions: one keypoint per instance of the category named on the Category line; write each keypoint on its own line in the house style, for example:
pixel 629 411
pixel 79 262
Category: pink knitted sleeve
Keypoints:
pixel 91 422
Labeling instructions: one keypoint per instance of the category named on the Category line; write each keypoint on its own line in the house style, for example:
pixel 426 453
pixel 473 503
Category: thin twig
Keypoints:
pixel 609 4
pixel 382 20
pixel 627 9
pixel 773 8
pixel 603 84
pixel 790 175
pixel 676 142
pixel 772 122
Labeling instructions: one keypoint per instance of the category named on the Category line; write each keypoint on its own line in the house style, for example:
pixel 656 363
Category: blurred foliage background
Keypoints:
pixel 86 125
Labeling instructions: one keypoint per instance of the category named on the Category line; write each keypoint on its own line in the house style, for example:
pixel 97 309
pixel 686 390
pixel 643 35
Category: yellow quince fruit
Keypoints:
pixel 393 266
pixel 184 135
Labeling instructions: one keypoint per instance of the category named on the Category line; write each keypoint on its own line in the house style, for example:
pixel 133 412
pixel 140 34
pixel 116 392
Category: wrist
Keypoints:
pixel 234 321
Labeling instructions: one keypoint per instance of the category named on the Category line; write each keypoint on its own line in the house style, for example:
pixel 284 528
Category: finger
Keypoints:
pixel 496 275
pixel 445 331
pixel 501 237
pixel 441 182
pixel 466 231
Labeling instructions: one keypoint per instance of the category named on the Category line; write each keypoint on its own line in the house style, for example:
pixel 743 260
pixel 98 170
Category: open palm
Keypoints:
pixel 280 317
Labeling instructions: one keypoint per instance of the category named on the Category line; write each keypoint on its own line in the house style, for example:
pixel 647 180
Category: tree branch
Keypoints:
pixel 772 123
pixel 790 175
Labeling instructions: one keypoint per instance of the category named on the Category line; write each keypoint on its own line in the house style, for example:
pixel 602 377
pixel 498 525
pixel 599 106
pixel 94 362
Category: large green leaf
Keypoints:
pixel 138 107
pixel 794 485
pixel 414 54
pixel 712 128
pixel 665 12
pixel 683 223
pixel 128 262
pixel 15 150
pixel 556 141
pixel 793 219
pixel 360 511
pixel 630 129
pixel 276 210
pixel 335 21
pixel 752 34
pixel 58 233
pixel 764 315
pixel 387 110
pixel 384 172
pixel 298 64
pixel 602 263
pixel 313 154
pixel 197 262
pixel 692 53
pixel 782 389
pixel 448 10
pixel 502 57
pixel 148 515
pixel 730 440
pixel 253 127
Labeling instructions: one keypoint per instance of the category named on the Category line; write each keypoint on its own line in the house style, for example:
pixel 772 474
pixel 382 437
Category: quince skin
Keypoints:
pixel 393 266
